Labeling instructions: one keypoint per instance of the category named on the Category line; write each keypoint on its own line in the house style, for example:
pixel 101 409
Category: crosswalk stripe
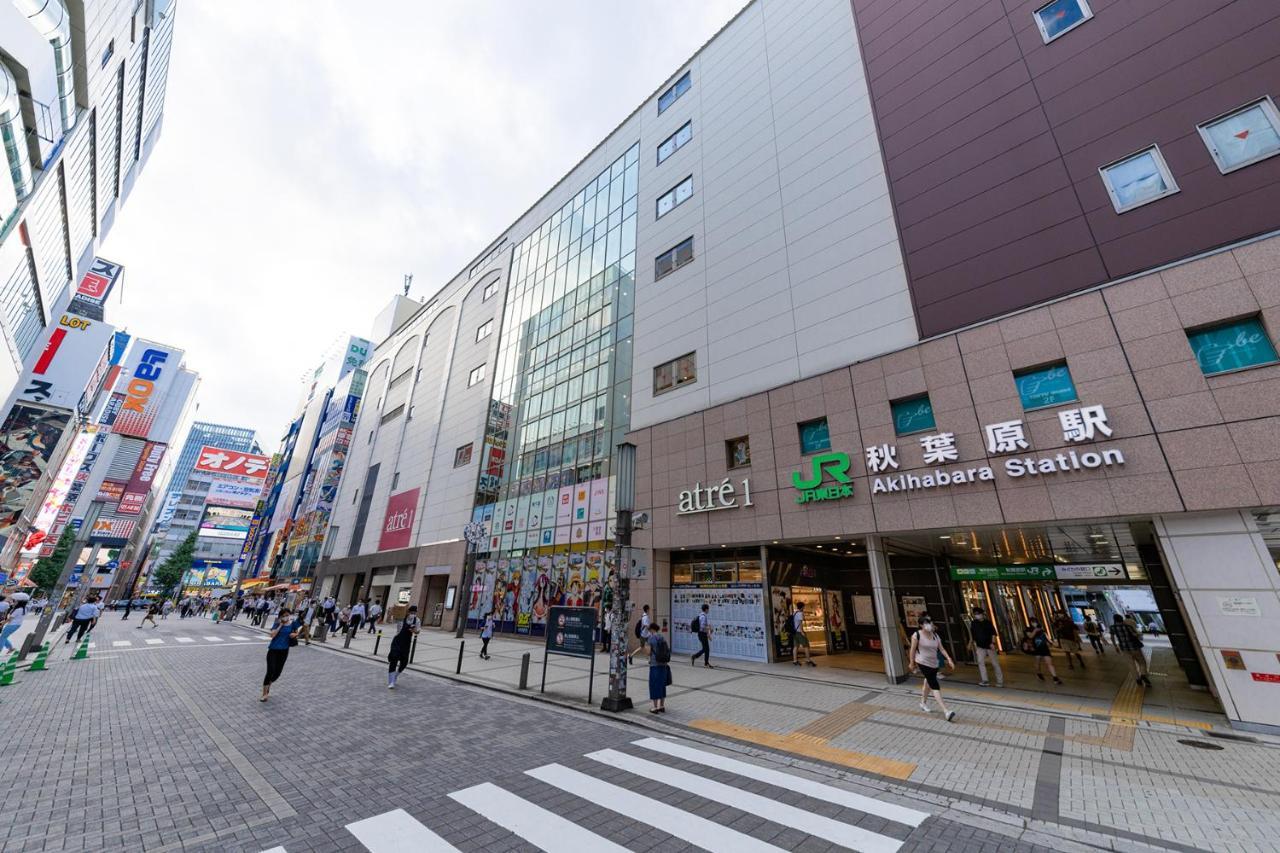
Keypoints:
pixel 92 646
pixel 155 642
pixel 242 639
pixel 698 831
pixel 534 824
pixel 276 850
pixel 398 832
pixel 119 643
pixel 214 639
pixel 834 831
pixel 189 640
pixel 816 790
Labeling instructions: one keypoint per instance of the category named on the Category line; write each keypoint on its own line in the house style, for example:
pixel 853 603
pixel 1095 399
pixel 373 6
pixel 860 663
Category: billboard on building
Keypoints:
pixel 397 523
pixel 231 492
pixel 92 291
pixel 112 532
pixel 28 438
pixel 61 372
pixel 217 460
pixel 139 485
pixel 148 373
pixel 225 522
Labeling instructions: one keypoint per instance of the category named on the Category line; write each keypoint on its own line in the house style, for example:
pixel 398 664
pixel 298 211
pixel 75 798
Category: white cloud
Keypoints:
pixel 312 154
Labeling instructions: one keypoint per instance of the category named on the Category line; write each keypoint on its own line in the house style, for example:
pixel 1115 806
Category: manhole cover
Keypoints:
pixel 1201 744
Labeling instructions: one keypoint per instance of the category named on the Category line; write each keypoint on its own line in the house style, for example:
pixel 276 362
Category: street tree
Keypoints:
pixel 44 574
pixel 170 572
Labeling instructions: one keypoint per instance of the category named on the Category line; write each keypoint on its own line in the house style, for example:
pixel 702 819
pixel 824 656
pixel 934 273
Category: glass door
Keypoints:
pixel 815 618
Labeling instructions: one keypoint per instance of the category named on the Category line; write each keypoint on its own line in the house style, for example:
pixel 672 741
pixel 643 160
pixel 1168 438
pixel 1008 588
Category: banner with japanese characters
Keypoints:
pixel 217 460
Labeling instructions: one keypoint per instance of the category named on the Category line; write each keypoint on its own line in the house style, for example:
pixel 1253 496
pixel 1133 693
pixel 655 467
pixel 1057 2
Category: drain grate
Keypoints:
pixel 1201 744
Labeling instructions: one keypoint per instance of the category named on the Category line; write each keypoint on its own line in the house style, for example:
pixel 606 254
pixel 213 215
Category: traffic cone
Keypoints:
pixel 40 663
pixel 7 671
pixel 83 651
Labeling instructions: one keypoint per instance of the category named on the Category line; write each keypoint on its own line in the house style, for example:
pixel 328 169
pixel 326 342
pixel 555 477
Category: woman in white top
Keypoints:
pixel 16 614
pixel 925 648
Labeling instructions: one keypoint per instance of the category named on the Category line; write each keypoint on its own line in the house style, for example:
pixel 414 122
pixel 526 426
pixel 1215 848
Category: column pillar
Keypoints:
pixel 895 661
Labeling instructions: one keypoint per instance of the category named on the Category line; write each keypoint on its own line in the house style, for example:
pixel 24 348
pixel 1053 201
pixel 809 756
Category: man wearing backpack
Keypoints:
pixel 659 670
pixel 702 627
pixel 642 634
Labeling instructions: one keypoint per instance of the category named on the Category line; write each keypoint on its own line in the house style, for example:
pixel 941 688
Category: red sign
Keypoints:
pixel 34 538
pixel 397 524
pixel 1270 677
pixel 135 492
pixel 220 461
pixel 111 491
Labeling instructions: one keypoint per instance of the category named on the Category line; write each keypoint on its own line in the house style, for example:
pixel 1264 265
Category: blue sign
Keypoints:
pixel 814 436
pixel 112 565
pixel 1234 346
pixel 1045 386
pixel 914 415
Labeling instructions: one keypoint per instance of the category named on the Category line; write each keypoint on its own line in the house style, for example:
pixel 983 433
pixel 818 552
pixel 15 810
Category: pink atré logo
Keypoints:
pixel 397 524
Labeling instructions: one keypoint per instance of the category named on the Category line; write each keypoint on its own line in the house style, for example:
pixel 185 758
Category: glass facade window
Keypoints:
pixel 484 330
pixel 1045 386
pixel 674 373
pixel 1056 18
pixel 476 376
pixel 462 456
pixel 675 197
pixel 1138 179
pixel 677 89
pixel 1232 346
pixel 672 259
pixel 737 452
pixel 675 141
pixel 912 415
pixel 1243 137
pixel 814 436
pixel 489 289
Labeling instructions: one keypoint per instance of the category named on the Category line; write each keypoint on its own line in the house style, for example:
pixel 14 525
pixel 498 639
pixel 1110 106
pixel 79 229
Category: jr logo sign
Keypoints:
pixel 834 465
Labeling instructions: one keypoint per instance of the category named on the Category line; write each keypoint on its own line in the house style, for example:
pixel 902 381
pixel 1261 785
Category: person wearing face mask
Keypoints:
pixel 926 647
pixel 984 647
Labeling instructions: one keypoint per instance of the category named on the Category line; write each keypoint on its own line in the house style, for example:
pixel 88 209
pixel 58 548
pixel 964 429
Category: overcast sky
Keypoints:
pixel 314 152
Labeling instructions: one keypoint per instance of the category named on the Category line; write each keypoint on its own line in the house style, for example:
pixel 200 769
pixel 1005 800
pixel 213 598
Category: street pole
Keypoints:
pixel 36 638
pixel 617 699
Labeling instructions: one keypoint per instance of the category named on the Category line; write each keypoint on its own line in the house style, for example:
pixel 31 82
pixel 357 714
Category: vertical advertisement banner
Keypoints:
pixel 28 439
pixel 135 491
pixel 148 374
pixel 397 524
pixel 92 291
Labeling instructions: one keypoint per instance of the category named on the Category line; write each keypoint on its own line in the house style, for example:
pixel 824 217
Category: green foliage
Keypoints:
pixel 45 572
pixel 169 573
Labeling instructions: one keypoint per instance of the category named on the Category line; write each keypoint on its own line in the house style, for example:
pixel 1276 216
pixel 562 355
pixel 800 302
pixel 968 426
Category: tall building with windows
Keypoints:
pixel 82 90
pixel 911 307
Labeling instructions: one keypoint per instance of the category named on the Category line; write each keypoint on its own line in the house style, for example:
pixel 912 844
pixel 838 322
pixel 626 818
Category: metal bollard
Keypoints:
pixel 413 650
pixel 524 671
pixel 346 644
pixel 376 643
pixel 461 646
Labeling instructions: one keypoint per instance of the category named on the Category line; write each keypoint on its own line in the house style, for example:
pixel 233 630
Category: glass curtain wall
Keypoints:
pixel 561 403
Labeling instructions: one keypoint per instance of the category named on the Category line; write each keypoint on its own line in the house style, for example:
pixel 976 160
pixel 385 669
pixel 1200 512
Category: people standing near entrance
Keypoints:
pixel 659 669
pixel 702 627
pixel 398 657
pixel 486 634
pixel 356 617
pixel 278 649
pixel 1035 642
pixel 375 610
pixel 153 610
pixel 1068 638
pixel 82 617
pixel 643 627
pixel 926 651
pixel 984 647
pixel 1093 631
pixel 1127 639
pixel 799 638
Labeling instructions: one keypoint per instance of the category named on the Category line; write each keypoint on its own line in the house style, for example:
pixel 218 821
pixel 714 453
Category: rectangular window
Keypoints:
pixel 677 372
pixel 489 289
pixel 675 196
pixel 814 436
pixel 476 376
pixel 1045 386
pixel 1138 179
pixel 1243 137
pixel 462 456
pixel 395 481
pixel 675 141
pixel 486 329
pixel 672 259
pixel 677 89
pixel 1061 16
pixel 108 53
pixel 912 415
pixel 1232 346
pixel 738 452
pixel 393 414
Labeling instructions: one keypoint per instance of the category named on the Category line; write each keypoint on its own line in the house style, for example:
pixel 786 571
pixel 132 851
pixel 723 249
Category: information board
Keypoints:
pixel 571 631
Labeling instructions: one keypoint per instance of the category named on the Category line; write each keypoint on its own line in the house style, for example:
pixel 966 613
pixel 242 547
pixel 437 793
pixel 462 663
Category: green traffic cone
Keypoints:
pixel 40 663
pixel 7 671
pixel 83 651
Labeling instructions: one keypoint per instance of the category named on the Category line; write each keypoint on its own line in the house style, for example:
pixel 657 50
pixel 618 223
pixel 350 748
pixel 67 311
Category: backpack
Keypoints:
pixel 693 625
pixel 639 629
pixel 662 650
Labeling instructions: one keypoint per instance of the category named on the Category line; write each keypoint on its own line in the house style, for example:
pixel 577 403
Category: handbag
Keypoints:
pixel 668 676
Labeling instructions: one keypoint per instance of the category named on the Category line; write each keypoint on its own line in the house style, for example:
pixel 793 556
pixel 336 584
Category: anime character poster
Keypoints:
pixel 540 593
pixel 780 605
pixel 559 575
pixel 595 574
pixel 836 621
pixel 575 584
pixel 27 441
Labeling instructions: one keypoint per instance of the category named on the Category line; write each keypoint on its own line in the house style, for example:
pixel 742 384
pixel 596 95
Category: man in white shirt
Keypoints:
pixel 357 616
pixel 83 617
pixel 375 610
pixel 642 634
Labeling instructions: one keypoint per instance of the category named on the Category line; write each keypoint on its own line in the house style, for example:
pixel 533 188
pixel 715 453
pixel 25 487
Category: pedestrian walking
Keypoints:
pixel 984 648
pixel 153 610
pixel 926 651
pixel 309 609
pixel 659 669
pixel 12 622
pixel 282 637
pixel 375 610
pixel 356 617
pixel 165 608
pixel 398 657
pixel 1035 642
pixel 702 627
pixel 1068 638
pixel 1093 631
pixel 1126 639
pixel 486 634
pixel 344 618
pixel 799 639
pixel 82 617
pixel 643 626
pixel 128 608
pixel 224 608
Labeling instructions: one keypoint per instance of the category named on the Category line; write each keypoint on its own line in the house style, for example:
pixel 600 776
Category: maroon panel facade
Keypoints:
pixel 993 140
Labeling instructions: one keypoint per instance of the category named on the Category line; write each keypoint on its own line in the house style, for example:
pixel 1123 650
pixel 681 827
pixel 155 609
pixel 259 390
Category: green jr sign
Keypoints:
pixel 1003 573
pixel 834 464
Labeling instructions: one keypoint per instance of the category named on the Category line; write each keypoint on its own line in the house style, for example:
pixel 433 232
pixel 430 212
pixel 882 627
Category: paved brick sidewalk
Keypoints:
pixel 1045 760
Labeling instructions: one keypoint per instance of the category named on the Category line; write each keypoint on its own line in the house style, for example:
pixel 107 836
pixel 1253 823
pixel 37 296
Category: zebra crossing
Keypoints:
pixel 161 641
pixel 652 760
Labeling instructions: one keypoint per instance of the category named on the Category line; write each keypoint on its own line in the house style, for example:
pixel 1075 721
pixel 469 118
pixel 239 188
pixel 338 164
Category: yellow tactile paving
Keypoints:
pixel 810 747
pixel 839 721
